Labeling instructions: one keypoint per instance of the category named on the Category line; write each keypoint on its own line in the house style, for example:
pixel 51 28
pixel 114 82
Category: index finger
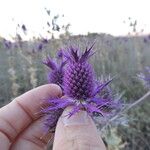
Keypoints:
pixel 20 113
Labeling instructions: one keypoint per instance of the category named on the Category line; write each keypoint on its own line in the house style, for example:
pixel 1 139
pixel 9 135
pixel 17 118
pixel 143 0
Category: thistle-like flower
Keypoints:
pixel 56 73
pixel 79 79
pixel 80 87
pixel 145 77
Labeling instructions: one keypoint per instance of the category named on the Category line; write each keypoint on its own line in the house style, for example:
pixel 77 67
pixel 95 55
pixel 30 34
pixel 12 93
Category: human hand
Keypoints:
pixel 21 128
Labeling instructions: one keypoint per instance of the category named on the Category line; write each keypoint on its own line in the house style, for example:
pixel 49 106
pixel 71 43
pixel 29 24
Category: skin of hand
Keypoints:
pixel 21 128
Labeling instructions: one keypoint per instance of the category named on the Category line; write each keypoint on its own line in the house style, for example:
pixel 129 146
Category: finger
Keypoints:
pixel 77 132
pixel 33 137
pixel 18 114
pixel 4 141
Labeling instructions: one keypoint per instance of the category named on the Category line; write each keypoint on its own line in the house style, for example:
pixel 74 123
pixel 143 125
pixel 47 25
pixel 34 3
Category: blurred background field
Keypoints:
pixel 21 69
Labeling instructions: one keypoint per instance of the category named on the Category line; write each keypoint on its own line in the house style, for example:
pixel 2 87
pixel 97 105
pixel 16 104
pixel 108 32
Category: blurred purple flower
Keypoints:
pixel 145 77
pixel 44 41
pixel 7 44
pixel 40 47
pixel 145 40
pixel 24 28
pixel 80 87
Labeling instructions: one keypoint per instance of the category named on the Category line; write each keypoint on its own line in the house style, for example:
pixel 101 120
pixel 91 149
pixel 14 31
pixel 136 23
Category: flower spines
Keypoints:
pixel 52 118
pixel 73 54
pixel 50 63
pixel 53 110
pixel 78 76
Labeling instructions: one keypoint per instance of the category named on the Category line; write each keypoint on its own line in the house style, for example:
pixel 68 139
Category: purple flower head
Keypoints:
pixel 7 44
pixel 145 77
pixel 40 47
pixel 78 76
pixel 81 89
pixel 56 73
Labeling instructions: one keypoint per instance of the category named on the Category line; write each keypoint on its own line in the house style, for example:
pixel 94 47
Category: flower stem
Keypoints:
pixel 139 101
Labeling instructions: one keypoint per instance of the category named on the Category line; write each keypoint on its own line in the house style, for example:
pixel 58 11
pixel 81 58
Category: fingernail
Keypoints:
pixel 80 118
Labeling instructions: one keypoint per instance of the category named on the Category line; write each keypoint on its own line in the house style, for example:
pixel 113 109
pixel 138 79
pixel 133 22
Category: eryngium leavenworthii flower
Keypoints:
pixel 79 79
pixel 81 89
pixel 55 75
pixel 145 77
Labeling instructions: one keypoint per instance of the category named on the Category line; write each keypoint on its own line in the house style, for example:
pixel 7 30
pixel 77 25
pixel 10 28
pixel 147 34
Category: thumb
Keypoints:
pixel 77 132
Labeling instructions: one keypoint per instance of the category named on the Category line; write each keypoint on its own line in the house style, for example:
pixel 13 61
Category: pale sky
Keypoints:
pixel 102 16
